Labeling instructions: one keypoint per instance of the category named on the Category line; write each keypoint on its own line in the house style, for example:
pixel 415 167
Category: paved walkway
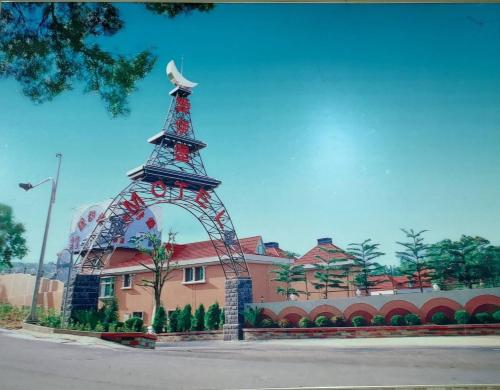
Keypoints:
pixel 48 361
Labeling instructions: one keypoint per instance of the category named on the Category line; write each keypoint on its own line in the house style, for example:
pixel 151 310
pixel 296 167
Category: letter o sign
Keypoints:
pixel 158 185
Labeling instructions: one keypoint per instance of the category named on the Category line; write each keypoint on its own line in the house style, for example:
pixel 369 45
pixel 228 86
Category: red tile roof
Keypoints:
pixel 400 282
pixel 190 251
pixel 276 252
pixel 311 256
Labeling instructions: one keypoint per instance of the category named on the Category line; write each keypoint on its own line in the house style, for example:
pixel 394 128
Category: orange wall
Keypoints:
pixel 175 293
pixel 318 294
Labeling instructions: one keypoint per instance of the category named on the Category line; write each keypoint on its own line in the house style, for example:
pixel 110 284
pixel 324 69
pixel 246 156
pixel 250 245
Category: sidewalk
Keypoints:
pixel 62 338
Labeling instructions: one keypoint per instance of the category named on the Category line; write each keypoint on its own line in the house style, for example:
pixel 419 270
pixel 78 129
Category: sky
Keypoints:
pixel 322 120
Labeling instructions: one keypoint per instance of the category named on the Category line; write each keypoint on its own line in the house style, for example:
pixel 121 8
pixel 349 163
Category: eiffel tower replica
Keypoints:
pixel 174 173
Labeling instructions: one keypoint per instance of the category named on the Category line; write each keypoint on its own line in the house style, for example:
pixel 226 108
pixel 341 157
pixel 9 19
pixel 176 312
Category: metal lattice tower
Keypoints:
pixel 174 173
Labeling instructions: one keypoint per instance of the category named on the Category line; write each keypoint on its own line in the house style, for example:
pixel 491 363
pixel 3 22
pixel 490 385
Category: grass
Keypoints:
pixel 11 317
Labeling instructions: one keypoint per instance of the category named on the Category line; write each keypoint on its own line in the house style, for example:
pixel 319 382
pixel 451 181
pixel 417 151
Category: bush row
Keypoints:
pixel 183 320
pixel 254 319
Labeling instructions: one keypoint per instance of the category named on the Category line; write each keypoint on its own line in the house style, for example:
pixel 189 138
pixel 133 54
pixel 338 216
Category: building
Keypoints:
pixel 199 278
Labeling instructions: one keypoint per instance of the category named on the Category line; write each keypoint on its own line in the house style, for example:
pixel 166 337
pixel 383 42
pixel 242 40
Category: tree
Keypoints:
pixel 212 317
pixel 163 264
pixel 185 319
pixel 50 47
pixel 331 272
pixel 12 241
pixel 288 274
pixel 364 255
pixel 199 318
pixel 467 261
pixel 412 259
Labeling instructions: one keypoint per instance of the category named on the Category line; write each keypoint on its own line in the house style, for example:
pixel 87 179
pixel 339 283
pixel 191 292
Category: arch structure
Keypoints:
pixel 174 173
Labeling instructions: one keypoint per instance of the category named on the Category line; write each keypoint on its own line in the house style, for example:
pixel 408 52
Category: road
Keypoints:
pixel 42 363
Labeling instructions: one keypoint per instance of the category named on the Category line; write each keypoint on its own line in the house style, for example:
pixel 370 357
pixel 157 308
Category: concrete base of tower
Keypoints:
pixel 238 292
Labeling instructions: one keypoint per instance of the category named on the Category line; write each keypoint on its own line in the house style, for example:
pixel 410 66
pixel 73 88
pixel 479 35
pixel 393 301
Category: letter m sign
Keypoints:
pixel 135 205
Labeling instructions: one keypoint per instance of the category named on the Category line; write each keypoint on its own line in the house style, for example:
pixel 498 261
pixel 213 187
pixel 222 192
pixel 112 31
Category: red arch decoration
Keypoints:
pixel 326 310
pixel 360 309
pixel 446 305
pixel 485 302
pixel 266 313
pixel 398 307
pixel 287 311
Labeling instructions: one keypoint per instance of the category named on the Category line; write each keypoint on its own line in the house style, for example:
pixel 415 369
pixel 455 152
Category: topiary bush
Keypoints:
pixel 268 323
pixel 496 316
pixel 284 323
pixel 338 321
pixel 199 319
pixel 398 320
pixel 439 318
pixel 99 327
pixel 160 320
pixel 412 319
pixel 461 317
pixel 483 318
pixel 222 319
pixel 110 311
pixel 305 322
pixel 322 321
pixel 358 321
pixel 378 320
pixel 134 324
pixel 173 320
pixel 212 317
pixel 185 319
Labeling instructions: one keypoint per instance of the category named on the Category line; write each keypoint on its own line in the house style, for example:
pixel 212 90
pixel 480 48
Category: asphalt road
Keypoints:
pixel 29 363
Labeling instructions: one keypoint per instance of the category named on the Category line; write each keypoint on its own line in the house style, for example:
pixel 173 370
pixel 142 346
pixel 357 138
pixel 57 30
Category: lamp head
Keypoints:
pixel 26 186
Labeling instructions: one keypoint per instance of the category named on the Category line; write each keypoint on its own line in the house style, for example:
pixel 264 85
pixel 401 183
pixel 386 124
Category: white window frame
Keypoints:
pixel 107 280
pixel 137 312
pixel 193 270
pixel 131 280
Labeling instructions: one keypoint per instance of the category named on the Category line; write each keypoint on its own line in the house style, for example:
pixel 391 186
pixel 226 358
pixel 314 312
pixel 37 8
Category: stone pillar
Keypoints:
pixel 83 294
pixel 238 292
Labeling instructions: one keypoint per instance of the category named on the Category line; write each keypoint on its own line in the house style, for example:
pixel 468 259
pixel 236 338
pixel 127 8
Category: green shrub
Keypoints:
pixel 284 323
pixel 268 323
pixel 378 320
pixel 134 324
pixel 439 318
pixel 87 328
pixel 185 319
pixel 483 318
pixel 462 317
pixel 99 327
pixel 160 320
pixel 199 319
pixel 173 321
pixel 113 327
pixel 50 318
pixel 358 321
pixel 110 311
pixel 322 321
pixel 338 321
pixel 305 322
pixel 253 317
pixel 86 317
pixel 412 319
pixel 212 317
pixel 397 320
pixel 496 316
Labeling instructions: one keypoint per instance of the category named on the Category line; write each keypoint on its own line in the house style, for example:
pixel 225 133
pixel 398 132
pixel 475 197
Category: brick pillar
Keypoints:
pixel 83 294
pixel 238 292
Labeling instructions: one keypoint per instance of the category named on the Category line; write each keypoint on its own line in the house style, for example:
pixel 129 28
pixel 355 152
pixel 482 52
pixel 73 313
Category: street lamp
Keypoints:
pixel 28 186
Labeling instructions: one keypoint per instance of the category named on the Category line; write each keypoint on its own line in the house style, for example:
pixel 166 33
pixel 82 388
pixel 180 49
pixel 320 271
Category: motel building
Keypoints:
pixel 199 278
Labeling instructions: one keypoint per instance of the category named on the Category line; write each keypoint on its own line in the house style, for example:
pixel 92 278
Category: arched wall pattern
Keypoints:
pixel 397 306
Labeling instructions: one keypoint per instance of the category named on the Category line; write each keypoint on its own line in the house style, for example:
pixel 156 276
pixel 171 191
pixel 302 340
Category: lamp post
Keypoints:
pixel 32 317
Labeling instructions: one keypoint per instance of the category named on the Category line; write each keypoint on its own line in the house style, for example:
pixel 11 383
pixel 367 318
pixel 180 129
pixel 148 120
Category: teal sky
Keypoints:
pixel 342 121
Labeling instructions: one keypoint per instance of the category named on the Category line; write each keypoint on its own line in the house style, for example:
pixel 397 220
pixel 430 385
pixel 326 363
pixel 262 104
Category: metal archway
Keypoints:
pixel 174 173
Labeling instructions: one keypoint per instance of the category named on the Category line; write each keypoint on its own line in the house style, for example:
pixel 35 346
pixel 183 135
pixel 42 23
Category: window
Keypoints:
pixel 127 281
pixel 137 314
pixel 107 288
pixel 194 274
